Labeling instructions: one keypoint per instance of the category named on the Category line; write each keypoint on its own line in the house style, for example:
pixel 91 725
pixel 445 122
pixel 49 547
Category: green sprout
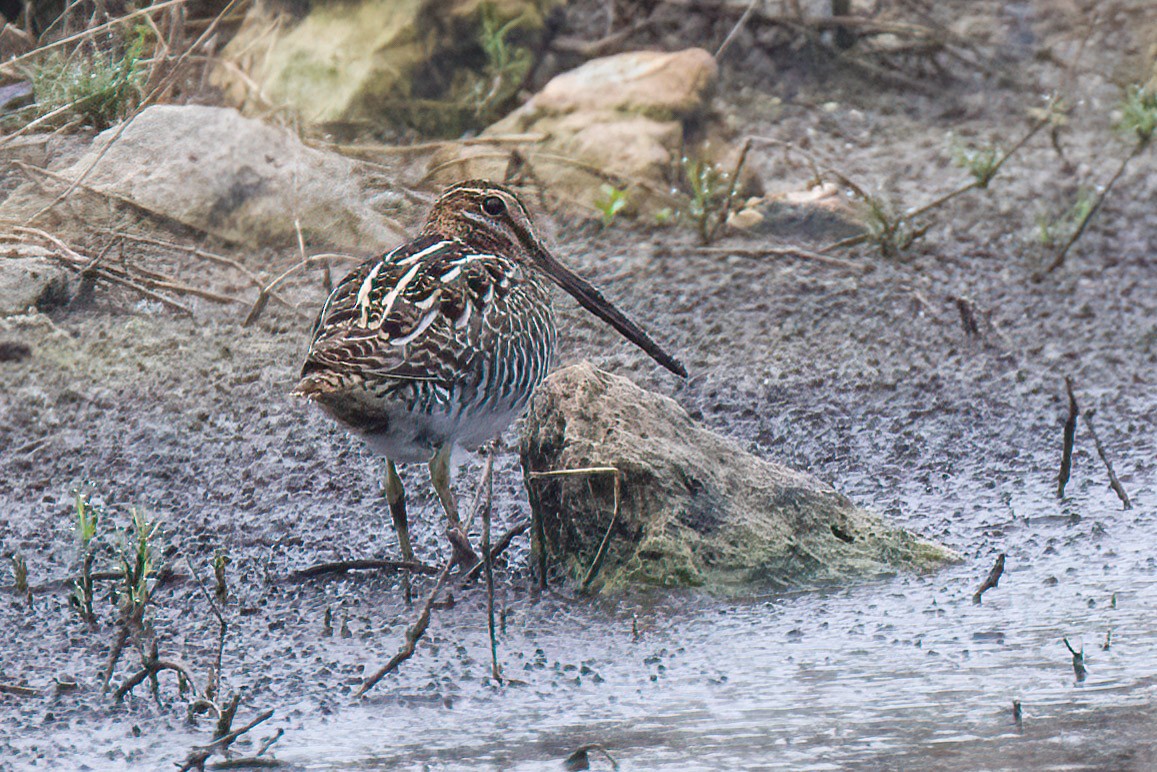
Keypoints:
pixel 981 162
pixel 137 563
pixel 220 561
pixel 87 519
pixel 1139 114
pixel 506 64
pixel 613 201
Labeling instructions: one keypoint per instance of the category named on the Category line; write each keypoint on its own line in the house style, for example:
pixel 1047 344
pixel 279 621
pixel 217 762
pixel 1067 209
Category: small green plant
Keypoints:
pixel 890 233
pixel 95 88
pixel 506 64
pixel 708 187
pixel 138 562
pixel 1052 231
pixel 981 162
pixel 87 520
pixel 220 561
pixel 613 201
pixel 1139 114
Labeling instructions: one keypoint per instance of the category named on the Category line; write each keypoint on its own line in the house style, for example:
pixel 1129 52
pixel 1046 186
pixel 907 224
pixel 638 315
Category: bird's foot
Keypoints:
pixel 464 554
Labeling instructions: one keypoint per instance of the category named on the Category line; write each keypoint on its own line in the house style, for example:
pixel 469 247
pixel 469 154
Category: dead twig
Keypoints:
pixel 735 30
pixel 151 666
pixel 200 754
pixel 19 691
pixel 413 634
pixel 1114 483
pixel 342 566
pixel 803 254
pixel 992 580
pixel 487 561
pixel 1079 668
pixel 1069 435
pixel 499 547
pixel 267 291
pixel 1059 260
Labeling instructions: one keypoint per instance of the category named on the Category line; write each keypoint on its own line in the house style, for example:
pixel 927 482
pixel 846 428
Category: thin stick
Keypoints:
pixel 1037 126
pixel 735 30
pixel 1060 258
pixel 197 757
pixel 11 67
pixel 1114 483
pixel 342 566
pixel 499 547
pixel 800 252
pixel 992 580
pixel 487 562
pixel 19 691
pixel 212 687
pixel 413 634
pixel 725 210
pixel 422 147
pixel 264 295
pixel 1069 435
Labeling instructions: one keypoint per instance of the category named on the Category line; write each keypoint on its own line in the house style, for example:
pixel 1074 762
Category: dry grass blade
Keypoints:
pixel 159 89
pixel 12 66
pixel 267 291
pixel 597 563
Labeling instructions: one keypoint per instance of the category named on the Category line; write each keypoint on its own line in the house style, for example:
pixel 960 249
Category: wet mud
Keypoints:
pixel 868 380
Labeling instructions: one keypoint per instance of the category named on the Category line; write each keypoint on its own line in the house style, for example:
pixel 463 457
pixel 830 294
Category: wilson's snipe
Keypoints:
pixel 443 341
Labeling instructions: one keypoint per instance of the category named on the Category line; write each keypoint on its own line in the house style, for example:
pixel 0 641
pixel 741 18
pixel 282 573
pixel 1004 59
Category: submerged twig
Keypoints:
pixel 992 580
pixel 413 634
pixel 487 561
pixel 1079 668
pixel 1114 483
pixel 1069 435
pixel 342 566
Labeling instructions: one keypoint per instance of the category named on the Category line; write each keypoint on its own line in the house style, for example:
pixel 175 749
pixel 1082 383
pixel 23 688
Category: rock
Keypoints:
pixel 230 176
pixel 628 117
pixel 30 279
pixel 422 62
pixel 820 214
pixel 697 510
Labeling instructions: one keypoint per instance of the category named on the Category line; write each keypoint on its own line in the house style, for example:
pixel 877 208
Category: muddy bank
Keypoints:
pixel 868 380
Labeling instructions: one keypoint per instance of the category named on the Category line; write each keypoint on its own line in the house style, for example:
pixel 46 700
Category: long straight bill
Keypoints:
pixel 592 300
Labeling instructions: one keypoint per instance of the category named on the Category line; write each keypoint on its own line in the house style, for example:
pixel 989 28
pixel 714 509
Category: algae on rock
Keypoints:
pixel 697 510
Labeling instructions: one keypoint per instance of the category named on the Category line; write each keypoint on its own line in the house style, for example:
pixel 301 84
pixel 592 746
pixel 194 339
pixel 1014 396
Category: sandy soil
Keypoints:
pixel 866 379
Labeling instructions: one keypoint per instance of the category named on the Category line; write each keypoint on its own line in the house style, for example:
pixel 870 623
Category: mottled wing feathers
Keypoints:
pixel 416 314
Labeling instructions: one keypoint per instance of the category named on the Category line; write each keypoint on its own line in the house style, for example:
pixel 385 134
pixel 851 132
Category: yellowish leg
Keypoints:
pixel 440 477
pixel 396 497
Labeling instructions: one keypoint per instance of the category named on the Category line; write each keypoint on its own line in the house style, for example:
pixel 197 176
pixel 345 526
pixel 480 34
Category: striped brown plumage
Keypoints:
pixel 442 342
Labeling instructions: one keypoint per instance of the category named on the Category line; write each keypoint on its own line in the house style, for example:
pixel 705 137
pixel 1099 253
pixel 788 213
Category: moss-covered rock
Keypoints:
pixel 697 510
pixel 441 65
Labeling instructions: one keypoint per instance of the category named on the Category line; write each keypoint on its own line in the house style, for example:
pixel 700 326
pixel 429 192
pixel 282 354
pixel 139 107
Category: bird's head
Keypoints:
pixel 490 218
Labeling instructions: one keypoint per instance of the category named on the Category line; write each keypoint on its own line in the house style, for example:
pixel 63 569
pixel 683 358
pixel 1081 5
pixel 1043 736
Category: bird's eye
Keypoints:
pixel 493 206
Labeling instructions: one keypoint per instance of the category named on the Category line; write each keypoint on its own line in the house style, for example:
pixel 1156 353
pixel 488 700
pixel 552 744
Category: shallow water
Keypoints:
pixel 901 667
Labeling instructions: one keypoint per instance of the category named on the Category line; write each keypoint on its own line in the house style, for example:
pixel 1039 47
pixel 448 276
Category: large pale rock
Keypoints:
pixel 627 117
pixel 219 172
pixel 378 61
pixel 696 508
